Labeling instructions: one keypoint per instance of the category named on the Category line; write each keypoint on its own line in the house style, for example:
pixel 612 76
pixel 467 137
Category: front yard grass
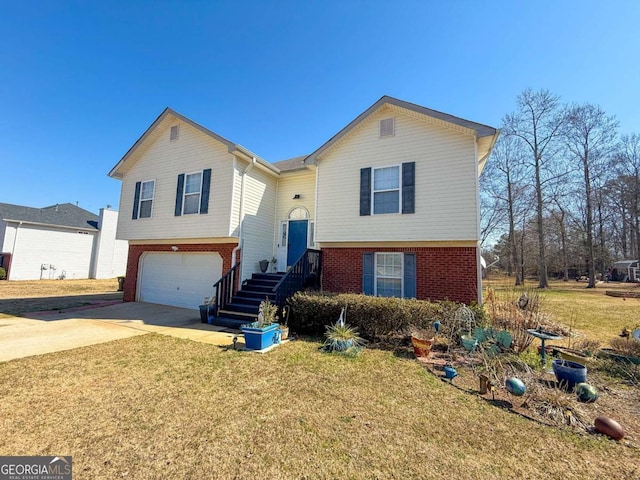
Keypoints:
pixel 158 407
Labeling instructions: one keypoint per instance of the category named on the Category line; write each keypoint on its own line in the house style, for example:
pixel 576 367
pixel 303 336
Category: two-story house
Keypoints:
pixel 391 201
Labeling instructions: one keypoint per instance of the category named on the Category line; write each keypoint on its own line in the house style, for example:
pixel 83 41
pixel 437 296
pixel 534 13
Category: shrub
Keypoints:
pixel 3 274
pixel 374 317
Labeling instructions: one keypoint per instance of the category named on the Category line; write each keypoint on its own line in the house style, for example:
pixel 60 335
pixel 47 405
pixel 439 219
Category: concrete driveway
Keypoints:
pixel 39 333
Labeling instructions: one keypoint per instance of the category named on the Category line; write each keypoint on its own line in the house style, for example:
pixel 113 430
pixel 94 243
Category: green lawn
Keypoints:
pixel 589 311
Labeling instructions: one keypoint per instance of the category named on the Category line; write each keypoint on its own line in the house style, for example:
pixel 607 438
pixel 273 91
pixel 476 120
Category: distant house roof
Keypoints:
pixel 292 164
pixel 60 215
pixel 624 263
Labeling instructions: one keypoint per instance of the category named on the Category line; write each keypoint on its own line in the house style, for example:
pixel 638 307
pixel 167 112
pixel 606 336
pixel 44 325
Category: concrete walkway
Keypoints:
pixel 46 332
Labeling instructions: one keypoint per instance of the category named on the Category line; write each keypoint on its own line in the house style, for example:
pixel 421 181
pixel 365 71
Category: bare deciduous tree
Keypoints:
pixel 538 123
pixel 505 181
pixel 627 161
pixel 589 137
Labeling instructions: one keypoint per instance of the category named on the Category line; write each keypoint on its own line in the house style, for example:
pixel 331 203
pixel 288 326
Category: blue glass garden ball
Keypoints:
pixel 515 386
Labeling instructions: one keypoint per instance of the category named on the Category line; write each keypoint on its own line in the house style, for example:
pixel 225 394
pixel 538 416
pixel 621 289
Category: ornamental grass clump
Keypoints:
pixel 343 338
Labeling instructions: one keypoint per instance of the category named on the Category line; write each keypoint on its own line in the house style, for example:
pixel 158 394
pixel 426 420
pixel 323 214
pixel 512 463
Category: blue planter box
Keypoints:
pixel 260 338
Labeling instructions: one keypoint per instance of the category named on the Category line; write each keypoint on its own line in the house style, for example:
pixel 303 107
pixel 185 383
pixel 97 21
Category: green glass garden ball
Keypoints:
pixel 515 386
pixel 586 393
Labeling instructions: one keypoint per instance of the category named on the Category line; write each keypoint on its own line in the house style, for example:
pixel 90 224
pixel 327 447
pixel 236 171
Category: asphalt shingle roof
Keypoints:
pixel 61 215
pixel 296 163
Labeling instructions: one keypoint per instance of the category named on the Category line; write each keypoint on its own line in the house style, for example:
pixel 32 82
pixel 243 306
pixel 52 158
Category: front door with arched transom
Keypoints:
pixel 297 240
pixel 294 237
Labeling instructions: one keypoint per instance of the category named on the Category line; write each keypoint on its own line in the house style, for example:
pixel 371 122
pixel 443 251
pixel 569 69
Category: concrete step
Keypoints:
pixel 224 321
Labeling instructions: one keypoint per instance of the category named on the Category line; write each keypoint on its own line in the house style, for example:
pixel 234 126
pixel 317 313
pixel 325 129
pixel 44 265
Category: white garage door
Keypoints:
pixel 178 279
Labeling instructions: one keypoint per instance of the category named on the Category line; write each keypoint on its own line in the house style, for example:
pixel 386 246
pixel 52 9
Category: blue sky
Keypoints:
pixel 80 81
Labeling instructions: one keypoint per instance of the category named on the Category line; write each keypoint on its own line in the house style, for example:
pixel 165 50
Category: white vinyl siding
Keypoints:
pixel 3 246
pixel 291 184
pixel 258 224
pixel 234 220
pixel 109 254
pixel 165 160
pixel 445 183
pixel 62 252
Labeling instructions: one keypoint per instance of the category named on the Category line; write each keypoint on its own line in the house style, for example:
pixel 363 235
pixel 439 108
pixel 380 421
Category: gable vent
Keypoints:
pixel 387 127
pixel 174 133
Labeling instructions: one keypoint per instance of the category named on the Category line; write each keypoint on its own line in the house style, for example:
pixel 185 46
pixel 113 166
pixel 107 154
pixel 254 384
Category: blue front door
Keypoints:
pixel 297 240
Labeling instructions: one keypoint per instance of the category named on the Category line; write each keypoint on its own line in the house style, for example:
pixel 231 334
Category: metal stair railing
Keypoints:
pixel 305 272
pixel 225 288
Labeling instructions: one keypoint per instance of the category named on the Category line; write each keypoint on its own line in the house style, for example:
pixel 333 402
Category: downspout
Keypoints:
pixel 477 181
pixel 234 252
pixel 276 224
pixel 315 205
pixel 315 214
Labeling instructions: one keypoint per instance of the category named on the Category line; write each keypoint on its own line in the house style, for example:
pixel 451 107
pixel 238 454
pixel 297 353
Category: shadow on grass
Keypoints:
pixel 22 306
pixel 493 400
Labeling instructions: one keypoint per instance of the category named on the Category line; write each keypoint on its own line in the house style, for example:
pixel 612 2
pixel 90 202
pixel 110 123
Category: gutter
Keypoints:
pixel 242 152
pixel 69 227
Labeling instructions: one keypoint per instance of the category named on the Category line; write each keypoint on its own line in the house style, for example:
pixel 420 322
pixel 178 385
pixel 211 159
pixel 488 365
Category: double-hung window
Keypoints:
pixel 192 189
pixel 192 193
pixel 386 190
pixel 143 199
pixel 389 275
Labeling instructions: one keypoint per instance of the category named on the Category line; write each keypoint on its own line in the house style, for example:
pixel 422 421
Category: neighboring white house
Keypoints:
pixel 391 200
pixel 60 241
pixel 626 271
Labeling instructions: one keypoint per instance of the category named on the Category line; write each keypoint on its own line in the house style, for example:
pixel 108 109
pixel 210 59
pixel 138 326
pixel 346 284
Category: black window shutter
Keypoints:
pixel 136 201
pixel 206 185
pixel 365 191
pixel 367 273
pixel 409 275
pixel 408 187
pixel 179 192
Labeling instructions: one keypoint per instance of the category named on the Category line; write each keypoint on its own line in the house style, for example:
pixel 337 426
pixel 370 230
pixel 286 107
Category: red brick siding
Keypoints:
pixel 443 273
pixel 135 251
